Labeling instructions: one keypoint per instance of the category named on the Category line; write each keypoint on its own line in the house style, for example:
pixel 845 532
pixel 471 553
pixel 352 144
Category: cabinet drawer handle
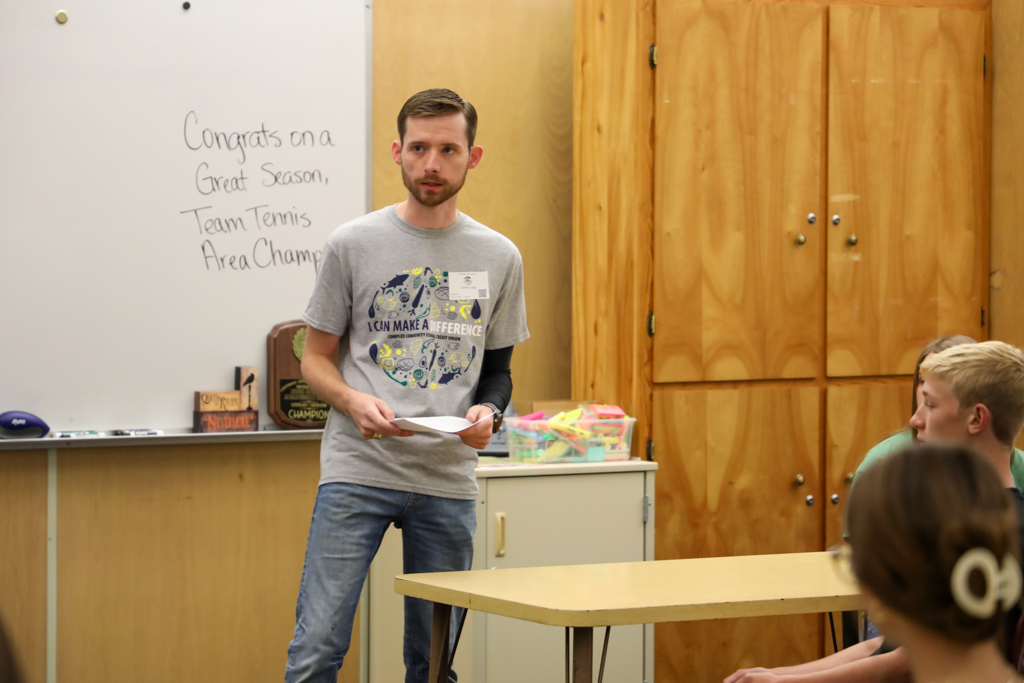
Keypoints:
pixel 499 534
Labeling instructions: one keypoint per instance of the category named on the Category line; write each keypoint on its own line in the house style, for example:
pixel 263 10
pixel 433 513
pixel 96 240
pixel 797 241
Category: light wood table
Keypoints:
pixel 584 596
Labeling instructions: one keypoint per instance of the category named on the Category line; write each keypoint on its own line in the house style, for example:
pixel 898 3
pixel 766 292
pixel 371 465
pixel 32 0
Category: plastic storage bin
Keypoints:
pixel 585 440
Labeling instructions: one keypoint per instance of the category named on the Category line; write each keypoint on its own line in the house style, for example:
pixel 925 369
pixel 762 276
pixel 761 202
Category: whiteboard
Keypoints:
pixel 168 179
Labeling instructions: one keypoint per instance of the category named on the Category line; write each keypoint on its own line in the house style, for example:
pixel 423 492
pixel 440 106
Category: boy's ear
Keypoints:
pixel 979 417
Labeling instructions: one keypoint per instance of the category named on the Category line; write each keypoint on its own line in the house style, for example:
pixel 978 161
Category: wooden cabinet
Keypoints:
pixel 739 160
pixel 738 169
pixel 858 417
pixel 757 115
pixel 552 515
pixel 718 494
pixel 908 178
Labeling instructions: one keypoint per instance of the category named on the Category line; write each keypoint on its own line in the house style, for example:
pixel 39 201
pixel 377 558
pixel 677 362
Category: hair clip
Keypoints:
pixel 1002 585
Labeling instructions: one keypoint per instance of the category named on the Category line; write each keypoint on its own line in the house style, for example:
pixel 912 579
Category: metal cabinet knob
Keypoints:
pixel 801 239
pixel 835 219
pixel 849 478
pixel 835 499
pixel 851 240
pixel 800 480
pixel 811 218
pixel 810 500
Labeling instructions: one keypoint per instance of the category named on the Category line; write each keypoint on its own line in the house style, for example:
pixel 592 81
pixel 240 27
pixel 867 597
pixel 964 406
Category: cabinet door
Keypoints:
pixel 728 462
pixel 738 168
pixel 908 179
pixel 857 418
pixel 559 520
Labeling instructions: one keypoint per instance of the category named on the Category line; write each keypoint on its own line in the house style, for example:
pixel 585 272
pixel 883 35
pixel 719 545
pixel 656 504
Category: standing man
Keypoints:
pixel 415 312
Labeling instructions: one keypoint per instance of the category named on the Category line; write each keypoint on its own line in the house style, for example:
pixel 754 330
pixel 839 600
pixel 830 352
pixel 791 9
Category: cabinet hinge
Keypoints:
pixel 647 507
pixel 984 65
pixel 652 55
pixel 650 448
pixel 983 316
pixel 650 324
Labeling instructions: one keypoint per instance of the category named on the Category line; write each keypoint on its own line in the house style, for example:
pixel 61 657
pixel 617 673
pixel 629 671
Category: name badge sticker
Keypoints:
pixel 463 286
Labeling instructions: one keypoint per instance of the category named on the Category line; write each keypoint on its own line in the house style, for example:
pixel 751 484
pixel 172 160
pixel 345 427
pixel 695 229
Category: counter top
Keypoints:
pixel 170 438
pixel 489 466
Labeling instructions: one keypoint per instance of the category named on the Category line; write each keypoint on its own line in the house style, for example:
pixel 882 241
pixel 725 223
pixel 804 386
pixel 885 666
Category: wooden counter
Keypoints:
pixel 167 558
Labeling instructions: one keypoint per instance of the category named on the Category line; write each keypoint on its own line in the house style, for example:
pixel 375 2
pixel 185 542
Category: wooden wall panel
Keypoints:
pixel 513 60
pixel 949 4
pixel 180 563
pixel 1007 260
pixel 908 172
pixel 613 156
pixel 23 558
pixel 728 460
pixel 738 170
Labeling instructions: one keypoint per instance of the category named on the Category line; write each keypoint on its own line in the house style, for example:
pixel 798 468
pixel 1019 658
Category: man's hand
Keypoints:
pixel 371 415
pixel 479 435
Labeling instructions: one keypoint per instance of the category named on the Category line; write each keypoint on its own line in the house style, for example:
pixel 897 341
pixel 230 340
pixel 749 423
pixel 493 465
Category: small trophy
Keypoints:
pixel 291 402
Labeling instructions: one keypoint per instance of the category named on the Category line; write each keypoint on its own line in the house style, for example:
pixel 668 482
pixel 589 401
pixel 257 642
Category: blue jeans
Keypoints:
pixel 348 524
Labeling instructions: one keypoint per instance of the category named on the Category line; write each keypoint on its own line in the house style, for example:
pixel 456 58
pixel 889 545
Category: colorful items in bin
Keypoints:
pixel 580 435
pixel 606 412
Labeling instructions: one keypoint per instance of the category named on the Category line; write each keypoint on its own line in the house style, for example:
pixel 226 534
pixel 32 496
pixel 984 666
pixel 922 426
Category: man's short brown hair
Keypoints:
pixel 990 373
pixel 437 102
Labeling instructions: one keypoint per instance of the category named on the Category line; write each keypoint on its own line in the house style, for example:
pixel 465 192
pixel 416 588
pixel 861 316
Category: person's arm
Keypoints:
pixel 493 387
pixel 892 667
pixel 845 656
pixel 371 414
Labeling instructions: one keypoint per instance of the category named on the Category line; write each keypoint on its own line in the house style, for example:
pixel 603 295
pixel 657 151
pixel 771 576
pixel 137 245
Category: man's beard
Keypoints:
pixel 446 191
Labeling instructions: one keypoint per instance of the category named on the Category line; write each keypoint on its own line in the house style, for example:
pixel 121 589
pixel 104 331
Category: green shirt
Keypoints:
pixel 904 439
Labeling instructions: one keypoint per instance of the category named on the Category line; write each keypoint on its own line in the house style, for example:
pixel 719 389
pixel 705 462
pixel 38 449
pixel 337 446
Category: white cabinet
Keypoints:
pixel 553 515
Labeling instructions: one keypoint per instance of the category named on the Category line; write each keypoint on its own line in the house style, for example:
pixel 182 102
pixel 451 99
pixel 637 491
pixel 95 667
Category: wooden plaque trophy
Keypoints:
pixel 229 411
pixel 291 403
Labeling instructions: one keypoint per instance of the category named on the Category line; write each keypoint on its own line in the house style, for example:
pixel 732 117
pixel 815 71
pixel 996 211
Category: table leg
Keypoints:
pixel 604 654
pixel 568 649
pixel 851 634
pixel 583 655
pixel 458 636
pixel 439 642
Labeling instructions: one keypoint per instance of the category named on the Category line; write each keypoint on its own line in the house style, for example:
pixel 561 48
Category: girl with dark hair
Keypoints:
pixel 935 547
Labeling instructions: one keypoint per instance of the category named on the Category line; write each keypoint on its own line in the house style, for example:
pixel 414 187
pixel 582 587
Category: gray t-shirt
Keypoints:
pixel 415 310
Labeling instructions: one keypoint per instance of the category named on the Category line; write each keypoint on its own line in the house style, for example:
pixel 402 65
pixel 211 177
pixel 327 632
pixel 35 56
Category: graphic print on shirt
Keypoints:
pixel 424 339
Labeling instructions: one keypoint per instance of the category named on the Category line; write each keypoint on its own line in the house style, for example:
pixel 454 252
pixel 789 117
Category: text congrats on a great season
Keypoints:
pixel 246 217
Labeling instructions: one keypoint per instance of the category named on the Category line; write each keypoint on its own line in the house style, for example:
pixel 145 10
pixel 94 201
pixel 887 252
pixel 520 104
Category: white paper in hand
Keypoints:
pixel 447 424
